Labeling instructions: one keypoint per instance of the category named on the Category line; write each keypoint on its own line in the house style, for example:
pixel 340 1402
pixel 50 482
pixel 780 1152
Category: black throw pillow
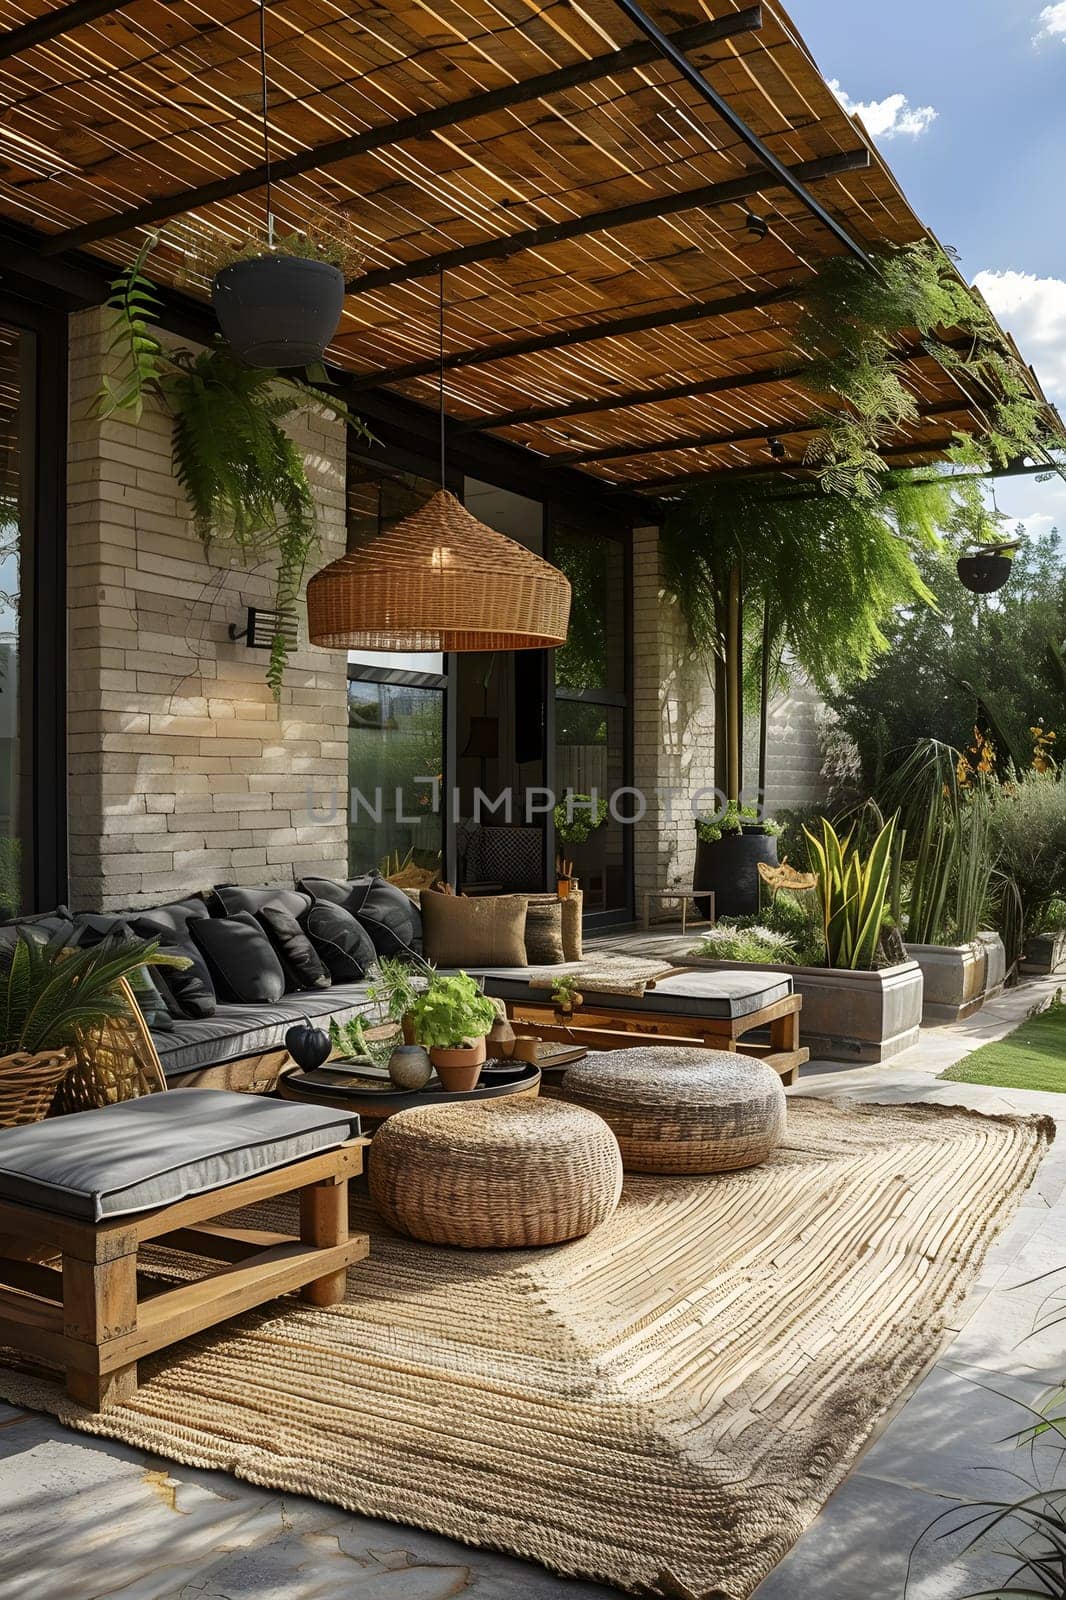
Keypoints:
pixel 390 918
pixel 90 930
pixel 189 991
pixel 241 958
pixel 344 946
pixel 303 965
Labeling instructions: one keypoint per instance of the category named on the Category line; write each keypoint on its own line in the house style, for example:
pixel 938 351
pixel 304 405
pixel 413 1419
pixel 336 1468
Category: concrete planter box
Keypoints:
pixel 1045 953
pixel 864 1017
pixel 959 978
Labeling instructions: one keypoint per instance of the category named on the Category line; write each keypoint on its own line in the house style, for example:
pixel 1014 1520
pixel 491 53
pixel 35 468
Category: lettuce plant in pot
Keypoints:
pixel 451 1019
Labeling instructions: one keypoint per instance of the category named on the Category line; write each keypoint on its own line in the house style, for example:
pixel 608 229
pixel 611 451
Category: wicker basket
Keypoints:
pixel 28 1085
pixel 682 1110
pixel 487 1176
pixel 115 1060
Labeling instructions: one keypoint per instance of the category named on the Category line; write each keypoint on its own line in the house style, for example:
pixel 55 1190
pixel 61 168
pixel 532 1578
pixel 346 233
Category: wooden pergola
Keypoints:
pixel 593 184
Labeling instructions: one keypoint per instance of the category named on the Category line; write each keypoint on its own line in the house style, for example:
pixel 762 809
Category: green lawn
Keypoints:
pixel 1032 1057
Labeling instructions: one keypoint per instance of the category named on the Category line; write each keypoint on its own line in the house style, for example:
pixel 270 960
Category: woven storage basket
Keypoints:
pixel 115 1060
pixel 682 1110
pixel 438 580
pixel 488 1176
pixel 28 1085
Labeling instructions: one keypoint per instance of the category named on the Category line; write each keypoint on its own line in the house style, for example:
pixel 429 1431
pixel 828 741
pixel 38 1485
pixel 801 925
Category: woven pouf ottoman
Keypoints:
pixel 682 1110
pixel 490 1176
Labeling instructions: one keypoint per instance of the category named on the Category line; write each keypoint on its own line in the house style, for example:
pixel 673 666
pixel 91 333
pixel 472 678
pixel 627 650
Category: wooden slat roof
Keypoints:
pixel 158 97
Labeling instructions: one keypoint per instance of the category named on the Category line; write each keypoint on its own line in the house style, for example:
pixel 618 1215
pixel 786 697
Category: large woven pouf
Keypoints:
pixel 682 1110
pixel 492 1175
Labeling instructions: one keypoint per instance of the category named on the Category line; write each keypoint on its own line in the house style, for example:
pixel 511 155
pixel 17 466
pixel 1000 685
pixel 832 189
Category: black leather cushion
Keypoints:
pixel 302 964
pixel 229 898
pixel 389 917
pixel 242 959
pixel 190 990
pixel 343 944
pixel 90 930
pixel 176 915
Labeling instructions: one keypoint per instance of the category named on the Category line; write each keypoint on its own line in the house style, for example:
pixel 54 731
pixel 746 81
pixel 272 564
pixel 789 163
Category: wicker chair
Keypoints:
pixel 115 1060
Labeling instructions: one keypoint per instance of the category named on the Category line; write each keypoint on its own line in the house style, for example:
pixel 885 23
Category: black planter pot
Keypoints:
pixel 730 866
pixel 278 311
pixel 983 574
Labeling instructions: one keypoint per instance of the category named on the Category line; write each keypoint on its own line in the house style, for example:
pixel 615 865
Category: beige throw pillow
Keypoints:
pixel 483 931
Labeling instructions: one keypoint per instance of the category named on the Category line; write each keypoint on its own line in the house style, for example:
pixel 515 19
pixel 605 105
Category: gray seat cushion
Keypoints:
pixel 247 1030
pixel 145 1153
pixel 729 995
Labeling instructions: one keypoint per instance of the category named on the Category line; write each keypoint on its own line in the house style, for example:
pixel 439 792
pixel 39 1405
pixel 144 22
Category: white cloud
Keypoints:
pixel 892 116
pixel 1034 310
pixel 1052 23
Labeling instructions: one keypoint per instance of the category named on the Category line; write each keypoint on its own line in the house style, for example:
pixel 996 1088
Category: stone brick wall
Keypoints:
pixel 673 731
pixel 183 771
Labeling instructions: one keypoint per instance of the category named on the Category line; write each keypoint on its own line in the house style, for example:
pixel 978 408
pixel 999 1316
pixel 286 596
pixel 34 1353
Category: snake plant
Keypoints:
pixel 854 891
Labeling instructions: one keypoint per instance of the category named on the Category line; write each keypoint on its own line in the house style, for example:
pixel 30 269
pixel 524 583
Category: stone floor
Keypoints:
pixel 82 1519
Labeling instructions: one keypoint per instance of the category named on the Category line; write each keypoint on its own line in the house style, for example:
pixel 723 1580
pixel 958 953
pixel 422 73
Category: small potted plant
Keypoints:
pixel 278 295
pixel 397 988
pixel 451 1019
pixel 565 996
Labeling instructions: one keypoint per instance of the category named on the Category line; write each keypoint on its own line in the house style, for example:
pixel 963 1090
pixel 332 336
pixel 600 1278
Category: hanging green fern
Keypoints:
pixel 855 324
pixel 244 478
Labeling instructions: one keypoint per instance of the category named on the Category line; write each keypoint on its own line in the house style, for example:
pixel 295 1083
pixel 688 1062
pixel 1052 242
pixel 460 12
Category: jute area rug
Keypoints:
pixel 662 1406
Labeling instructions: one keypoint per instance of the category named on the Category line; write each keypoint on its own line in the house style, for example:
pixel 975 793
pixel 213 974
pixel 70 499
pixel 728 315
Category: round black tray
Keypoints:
pixel 353 1090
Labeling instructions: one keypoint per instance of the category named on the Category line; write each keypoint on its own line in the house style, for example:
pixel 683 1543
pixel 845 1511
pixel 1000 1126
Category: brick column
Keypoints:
pixel 673 724
pixel 183 771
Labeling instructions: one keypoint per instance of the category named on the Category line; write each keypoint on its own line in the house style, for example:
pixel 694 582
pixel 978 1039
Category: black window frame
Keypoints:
pixel 42 649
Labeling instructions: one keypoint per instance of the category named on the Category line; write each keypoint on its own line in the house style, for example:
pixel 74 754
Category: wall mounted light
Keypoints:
pixel 261 628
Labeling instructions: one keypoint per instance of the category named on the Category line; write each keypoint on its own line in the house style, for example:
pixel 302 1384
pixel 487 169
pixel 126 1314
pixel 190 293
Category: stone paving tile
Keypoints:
pixel 860 1548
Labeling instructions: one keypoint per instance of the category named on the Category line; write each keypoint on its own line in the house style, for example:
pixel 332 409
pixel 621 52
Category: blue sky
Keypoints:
pixel 967 101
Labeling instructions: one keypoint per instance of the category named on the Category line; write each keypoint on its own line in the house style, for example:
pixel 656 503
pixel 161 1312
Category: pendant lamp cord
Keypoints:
pixel 266 118
pixel 440 376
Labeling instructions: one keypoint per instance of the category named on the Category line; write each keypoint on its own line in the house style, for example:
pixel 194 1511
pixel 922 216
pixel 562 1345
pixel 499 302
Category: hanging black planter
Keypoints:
pixel 278 310
pixel 984 572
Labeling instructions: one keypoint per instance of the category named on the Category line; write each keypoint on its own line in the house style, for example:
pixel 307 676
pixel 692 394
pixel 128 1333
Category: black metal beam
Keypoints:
pixel 787 176
pixel 632 397
pixel 706 197
pixel 695 441
pixel 691 479
pixel 616 328
pixel 53 23
pixel 418 126
pixel 726 384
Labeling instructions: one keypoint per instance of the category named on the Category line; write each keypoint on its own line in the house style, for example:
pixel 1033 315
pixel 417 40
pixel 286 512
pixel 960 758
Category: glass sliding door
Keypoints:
pixel 592 716
pixel 396 712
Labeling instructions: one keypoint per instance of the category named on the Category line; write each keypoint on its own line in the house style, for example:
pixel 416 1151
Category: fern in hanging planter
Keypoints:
pixel 244 478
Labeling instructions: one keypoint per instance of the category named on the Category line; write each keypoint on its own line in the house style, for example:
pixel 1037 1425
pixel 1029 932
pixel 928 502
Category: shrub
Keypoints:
pixel 452 1012
pixel 756 944
pixel 1050 917
pixel 1029 827
pixel 733 818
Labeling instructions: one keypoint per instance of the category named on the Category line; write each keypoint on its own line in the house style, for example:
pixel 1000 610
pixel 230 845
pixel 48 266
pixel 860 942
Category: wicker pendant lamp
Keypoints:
pixel 438 580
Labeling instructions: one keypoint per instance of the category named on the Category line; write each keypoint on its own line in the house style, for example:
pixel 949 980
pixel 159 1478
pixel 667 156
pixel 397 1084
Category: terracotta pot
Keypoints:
pixel 458 1069
pixel 525 1050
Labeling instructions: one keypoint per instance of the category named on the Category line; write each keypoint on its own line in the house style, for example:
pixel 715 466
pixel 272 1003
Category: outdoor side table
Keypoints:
pixel 686 897
pixel 95 1186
